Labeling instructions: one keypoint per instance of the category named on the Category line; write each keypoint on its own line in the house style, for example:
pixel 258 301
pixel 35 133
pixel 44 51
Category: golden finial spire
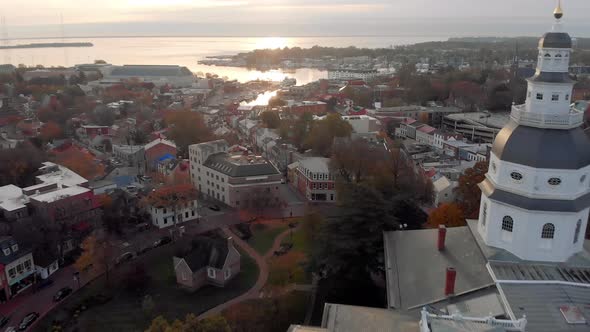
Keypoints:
pixel 558 12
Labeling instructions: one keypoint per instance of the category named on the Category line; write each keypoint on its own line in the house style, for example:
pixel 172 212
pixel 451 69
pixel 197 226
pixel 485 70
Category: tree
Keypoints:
pixel 148 305
pixel 276 102
pixel 323 132
pixel 468 192
pixel 50 131
pixel 311 224
pixel 159 324
pixel 448 214
pixel 19 165
pixel 352 243
pixel 187 128
pixel 136 279
pixel 361 96
pixel 271 119
pixel 83 163
pixel 354 160
pixel 98 250
pixel 190 324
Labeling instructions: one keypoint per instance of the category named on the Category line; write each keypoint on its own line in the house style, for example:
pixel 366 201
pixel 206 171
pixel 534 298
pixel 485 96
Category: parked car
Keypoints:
pixel 124 258
pixel 45 283
pixel 144 226
pixel 28 321
pixel 162 241
pixel 215 208
pixel 3 321
pixel 61 294
pixel 144 250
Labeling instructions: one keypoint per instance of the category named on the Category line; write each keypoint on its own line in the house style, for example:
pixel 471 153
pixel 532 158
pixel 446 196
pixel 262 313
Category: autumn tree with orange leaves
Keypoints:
pixel 50 131
pixel 468 192
pixel 448 214
pixel 186 128
pixel 82 163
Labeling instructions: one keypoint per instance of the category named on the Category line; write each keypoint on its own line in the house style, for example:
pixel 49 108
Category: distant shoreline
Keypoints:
pixel 46 45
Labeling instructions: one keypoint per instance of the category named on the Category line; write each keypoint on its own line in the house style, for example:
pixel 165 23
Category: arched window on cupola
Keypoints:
pixel 507 228
pixel 507 224
pixel 548 231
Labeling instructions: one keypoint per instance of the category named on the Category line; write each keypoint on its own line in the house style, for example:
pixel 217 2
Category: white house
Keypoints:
pixel 163 217
pixel 443 190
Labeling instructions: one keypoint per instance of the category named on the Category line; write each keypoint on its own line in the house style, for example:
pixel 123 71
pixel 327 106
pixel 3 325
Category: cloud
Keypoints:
pixel 38 14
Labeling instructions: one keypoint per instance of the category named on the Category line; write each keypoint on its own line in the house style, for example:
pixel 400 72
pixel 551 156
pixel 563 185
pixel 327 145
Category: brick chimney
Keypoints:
pixel 451 275
pixel 442 234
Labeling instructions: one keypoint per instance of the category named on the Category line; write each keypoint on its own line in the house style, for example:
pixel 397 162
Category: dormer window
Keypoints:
pixel 547 55
pixel 558 56
pixel 6 251
pixel 15 247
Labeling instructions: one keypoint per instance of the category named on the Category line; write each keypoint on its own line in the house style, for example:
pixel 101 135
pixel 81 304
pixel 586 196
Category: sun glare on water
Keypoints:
pixel 271 43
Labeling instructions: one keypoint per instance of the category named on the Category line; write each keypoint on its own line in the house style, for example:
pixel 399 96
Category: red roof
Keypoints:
pixel 426 129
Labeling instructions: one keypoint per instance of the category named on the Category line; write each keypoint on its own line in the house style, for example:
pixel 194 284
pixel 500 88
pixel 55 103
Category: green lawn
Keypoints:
pixel 263 236
pixel 299 240
pixel 124 312
pixel 291 267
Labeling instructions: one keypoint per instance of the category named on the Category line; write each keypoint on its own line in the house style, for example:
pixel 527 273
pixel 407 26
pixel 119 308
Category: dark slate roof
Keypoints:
pixel 8 242
pixel 540 303
pixel 146 70
pixel 556 40
pixel 207 252
pixel 415 282
pixel 543 148
pixel 220 162
pixel 549 77
pixel 534 204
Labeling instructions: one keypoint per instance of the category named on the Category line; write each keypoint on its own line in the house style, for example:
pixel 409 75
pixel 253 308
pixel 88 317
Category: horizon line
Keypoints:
pixel 262 36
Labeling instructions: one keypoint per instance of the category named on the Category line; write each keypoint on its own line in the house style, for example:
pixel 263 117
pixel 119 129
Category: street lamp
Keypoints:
pixel 77 278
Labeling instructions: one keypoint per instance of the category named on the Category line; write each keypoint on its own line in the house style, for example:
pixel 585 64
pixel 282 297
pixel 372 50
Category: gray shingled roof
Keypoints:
pixel 147 70
pixel 413 282
pixel 540 303
pixel 569 149
pixel 220 162
pixel 207 252
pixel 556 40
pixel 534 204
pixel 548 77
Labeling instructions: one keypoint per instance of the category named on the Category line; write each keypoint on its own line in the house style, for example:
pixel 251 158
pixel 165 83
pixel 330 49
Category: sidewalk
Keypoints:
pixel 41 301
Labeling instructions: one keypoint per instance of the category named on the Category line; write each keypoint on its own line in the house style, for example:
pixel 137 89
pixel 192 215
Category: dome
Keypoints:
pixel 556 40
pixel 543 148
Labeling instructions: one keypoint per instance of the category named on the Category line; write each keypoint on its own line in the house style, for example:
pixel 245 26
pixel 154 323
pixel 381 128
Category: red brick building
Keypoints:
pixel 314 107
pixel 314 180
pixel 156 150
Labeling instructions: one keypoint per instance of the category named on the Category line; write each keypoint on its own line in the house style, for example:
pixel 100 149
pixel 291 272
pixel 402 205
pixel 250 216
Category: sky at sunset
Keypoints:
pixel 30 18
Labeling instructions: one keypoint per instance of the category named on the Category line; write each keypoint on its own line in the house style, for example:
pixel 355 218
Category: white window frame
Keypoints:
pixel 227 273
pixel 211 273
